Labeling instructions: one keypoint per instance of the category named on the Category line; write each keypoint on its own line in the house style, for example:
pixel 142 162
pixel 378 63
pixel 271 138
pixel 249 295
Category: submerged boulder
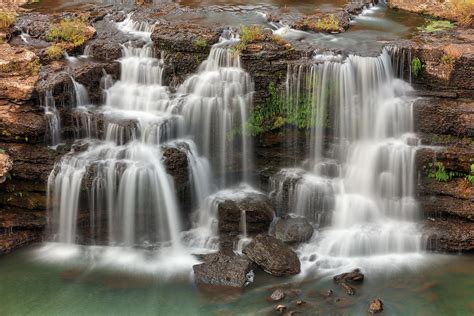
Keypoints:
pixel 293 230
pixel 224 270
pixel 273 256
pixel 376 306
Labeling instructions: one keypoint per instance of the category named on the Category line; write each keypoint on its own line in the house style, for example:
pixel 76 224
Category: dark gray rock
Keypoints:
pixel 293 230
pixel 273 256
pixel 223 270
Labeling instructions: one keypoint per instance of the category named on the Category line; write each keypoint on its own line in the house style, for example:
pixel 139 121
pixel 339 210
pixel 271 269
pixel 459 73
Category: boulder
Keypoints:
pixel 293 230
pixel 354 276
pixel 223 270
pixel 376 306
pixel 273 256
pixel 258 210
pixel 21 123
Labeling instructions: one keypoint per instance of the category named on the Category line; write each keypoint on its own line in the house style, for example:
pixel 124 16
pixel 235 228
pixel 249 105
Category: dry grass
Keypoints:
pixel 55 52
pixel 73 31
pixel 462 11
pixel 7 19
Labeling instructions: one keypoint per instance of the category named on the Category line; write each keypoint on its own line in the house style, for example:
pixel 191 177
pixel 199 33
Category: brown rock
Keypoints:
pixel 14 240
pixel 354 276
pixel 376 306
pixel 277 295
pixel 347 288
pixel 19 70
pixel 5 166
pixel 21 123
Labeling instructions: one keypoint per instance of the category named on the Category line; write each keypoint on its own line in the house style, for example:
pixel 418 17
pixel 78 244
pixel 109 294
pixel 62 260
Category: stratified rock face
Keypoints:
pixel 223 270
pixel 449 235
pixel 258 213
pixel 452 116
pixel 293 230
pixel 273 256
pixel 6 164
pixel 21 123
pixel 18 72
pixel 14 240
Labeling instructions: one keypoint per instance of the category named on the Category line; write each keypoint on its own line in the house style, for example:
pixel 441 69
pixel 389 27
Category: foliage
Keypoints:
pixel 446 59
pixel 201 43
pixel 73 31
pixel 7 19
pixel 470 177
pixel 439 173
pixel 55 52
pixel 436 26
pixel 328 23
pixel 462 11
pixel 416 66
pixel 249 34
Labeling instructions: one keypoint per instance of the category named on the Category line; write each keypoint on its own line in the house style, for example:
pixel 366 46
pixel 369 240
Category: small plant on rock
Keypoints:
pixel 436 26
pixel 201 43
pixel 72 31
pixel 55 52
pixel 7 19
pixel 416 67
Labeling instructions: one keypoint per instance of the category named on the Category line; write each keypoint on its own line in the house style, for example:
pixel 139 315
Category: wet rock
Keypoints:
pixel 300 302
pixel 21 123
pixel 449 235
pixel 19 70
pixel 280 308
pixel 13 219
pixel 6 164
pixel 277 295
pixel 293 230
pixel 176 164
pixel 185 37
pixel 31 162
pixel 452 117
pixel 347 288
pixel 10 241
pixel 376 306
pixel 223 270
pixel 258 213
pixel 273 256
pixel 354 276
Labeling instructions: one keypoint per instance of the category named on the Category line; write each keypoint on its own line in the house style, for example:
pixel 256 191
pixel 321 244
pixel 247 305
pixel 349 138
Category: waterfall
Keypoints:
pixel 53 118
pixel 360 186
pixel 215 104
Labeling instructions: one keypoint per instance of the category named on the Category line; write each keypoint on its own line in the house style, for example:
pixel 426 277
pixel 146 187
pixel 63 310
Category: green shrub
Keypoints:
pixel 72 31
pixel 201 43
pixel 55 52
pixel 249 34
pixel 416 67
pixel 436 26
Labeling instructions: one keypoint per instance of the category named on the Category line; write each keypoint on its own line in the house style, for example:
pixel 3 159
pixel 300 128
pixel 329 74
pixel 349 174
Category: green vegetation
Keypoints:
pixel 439 173
pixel 278 111
pixel 446 59
pixel 470 177
pixel 416 67
pixel 201 43
pixel 55 52
pixel 436 26
pixel 71 31
pixel 328 23
pixel 7 19
pixel 249 34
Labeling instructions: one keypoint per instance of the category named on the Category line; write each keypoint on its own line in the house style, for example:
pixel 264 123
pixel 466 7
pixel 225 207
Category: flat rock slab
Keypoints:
pixel 273 256
pixel 223 270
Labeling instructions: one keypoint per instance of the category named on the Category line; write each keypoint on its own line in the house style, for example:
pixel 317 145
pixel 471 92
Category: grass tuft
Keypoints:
pixel 72 31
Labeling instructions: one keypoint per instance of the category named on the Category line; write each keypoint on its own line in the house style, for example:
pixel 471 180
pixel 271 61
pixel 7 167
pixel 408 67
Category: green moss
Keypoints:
pixel 72 31
pixel 7 19
pixel 201 43
pixel 55 52
pixel 416 67
pixel 248 34
pixel 436 26
pixel 446 59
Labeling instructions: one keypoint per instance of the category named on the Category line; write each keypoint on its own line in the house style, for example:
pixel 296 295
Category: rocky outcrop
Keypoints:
pixel 258 213
pixel 449 235
pixel 5 166
pixel 293 230
pixel 21 123
pixel 19 70
pixel 273 256
pixel 224 270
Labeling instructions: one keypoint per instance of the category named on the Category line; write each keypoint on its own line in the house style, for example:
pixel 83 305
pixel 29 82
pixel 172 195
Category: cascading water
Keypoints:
pixel 53 132
pixel 360 186
pixel 115 177
pixel 214 107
